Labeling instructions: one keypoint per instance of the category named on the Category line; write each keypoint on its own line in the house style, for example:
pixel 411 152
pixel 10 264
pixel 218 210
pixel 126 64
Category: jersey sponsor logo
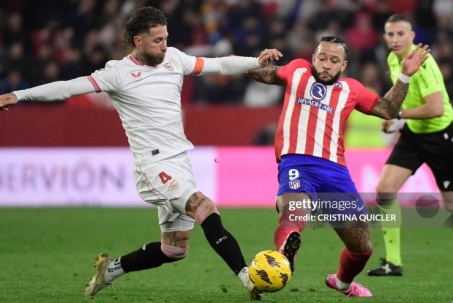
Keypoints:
pixel 318 104
pixel 169 66
pixel 294 184
pixel 136 75
pixel 318 91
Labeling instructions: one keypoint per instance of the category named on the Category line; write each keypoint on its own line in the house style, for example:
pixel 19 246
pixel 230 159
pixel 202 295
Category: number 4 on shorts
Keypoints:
pixel 164 177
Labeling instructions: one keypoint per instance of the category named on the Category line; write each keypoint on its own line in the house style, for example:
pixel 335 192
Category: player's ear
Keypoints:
pixel 345 64
pixel 137 41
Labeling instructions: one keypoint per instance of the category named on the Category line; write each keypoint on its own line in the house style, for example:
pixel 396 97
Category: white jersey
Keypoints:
pixel 148 100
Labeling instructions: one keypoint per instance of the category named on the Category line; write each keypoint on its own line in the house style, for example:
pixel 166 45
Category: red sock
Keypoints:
pixel 287 226
pixel 351 264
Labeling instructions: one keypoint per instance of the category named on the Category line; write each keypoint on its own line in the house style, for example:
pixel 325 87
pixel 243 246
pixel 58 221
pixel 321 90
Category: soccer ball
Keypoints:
pixel 270 271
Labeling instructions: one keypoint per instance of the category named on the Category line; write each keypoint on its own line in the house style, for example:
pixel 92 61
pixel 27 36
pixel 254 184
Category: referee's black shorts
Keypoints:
pixel 435 149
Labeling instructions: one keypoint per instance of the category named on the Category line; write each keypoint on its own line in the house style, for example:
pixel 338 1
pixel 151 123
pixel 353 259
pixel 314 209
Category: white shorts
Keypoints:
pixel 168 184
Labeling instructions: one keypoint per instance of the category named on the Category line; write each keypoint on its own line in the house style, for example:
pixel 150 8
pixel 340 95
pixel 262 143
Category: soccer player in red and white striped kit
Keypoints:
pixel 309 148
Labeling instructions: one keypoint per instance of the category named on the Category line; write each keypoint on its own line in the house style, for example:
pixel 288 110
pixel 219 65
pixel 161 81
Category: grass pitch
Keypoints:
pixel 47 255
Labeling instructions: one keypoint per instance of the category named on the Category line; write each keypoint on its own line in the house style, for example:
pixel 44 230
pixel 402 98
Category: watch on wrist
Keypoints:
pixel 398 115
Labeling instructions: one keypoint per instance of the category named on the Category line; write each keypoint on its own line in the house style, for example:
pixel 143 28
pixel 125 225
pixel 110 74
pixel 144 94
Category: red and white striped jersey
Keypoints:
pixel 314 115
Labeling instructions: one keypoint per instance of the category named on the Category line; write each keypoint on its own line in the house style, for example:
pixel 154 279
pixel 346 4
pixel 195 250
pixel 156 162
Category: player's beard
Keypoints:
pixel 152 60
pixel 333 80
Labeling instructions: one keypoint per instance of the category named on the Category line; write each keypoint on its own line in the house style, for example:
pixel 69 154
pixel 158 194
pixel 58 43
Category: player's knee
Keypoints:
pixel 205 210
pixel 174 252
pixel 385 196
pixel 384 187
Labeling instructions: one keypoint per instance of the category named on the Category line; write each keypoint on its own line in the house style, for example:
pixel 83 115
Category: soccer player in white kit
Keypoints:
pixel 145 88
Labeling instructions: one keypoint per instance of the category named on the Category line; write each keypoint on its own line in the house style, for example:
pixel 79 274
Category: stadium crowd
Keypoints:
pixel 43 41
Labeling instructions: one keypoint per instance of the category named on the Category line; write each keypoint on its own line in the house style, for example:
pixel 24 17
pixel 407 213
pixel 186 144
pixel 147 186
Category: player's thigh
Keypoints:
pixel 167 184
pixel 340 198
pixel 289 202
pixel 176 238
pixel 172 221
pixel 343 203
pixel 297 187
pixel 404 160
pixel 438 148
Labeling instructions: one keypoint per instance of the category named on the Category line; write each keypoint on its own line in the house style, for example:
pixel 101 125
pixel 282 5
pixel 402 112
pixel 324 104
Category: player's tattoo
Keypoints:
pixel 266 75
pixel 195 201
pixel 388 106
pixel 176 240
pixel 355 236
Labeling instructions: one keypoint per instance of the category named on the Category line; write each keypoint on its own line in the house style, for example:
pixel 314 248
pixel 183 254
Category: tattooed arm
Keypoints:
pixel 267 75
pixel 388 106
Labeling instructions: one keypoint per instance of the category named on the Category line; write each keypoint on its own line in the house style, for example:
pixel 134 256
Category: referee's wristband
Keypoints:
pixel 403 78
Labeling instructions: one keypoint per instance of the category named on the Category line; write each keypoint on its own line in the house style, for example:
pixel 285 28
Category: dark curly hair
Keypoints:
pixel 336 40
pixel 140 21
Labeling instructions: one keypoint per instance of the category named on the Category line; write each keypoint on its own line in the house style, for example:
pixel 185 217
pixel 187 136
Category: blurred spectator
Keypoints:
pixel 261 95
pixel 14 60
pixel 80 36
pixel 15 32
pixel 43 57
pixel 73 66
pixel 12 82
pixel 50 73
pixel 443 11
pixel 402 7
pixel 380 13
pixel 446 69
pixel 362 38
pixel 266 135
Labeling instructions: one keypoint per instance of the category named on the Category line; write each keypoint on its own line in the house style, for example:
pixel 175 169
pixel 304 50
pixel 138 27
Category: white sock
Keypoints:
pixel 341 285
pixel 244 276
pixel 113 270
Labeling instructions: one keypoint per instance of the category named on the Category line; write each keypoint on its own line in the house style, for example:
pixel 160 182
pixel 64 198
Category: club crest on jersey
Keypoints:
pixel 318 91
pixel 294 184
pixel 169 66
pixel 136 75
pixel 174 185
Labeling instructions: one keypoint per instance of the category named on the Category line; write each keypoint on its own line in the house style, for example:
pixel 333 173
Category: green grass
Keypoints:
pixel 47 255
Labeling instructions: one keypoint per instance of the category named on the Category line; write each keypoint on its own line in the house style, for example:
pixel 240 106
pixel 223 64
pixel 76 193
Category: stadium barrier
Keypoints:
pixel 231 176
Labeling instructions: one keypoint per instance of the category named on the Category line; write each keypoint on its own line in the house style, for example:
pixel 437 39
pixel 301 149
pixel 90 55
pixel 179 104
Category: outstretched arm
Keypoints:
pixel 389 105
pixel 267 75
pixel 59 90
pixel 234 65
